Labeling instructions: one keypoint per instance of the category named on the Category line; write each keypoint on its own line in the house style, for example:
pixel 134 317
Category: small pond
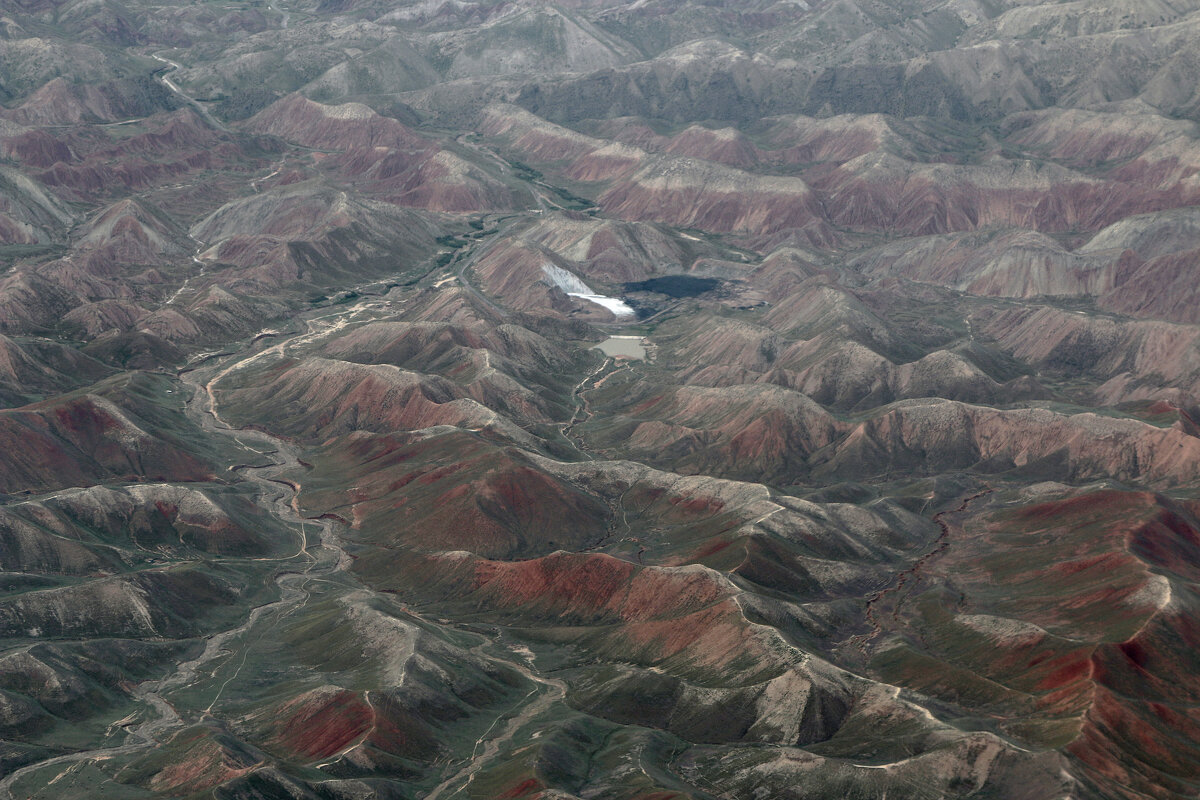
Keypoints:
pixel 623 347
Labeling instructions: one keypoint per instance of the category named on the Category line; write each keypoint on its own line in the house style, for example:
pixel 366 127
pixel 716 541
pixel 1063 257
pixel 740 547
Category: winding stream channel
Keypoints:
pixel 277 498
pixel 323 559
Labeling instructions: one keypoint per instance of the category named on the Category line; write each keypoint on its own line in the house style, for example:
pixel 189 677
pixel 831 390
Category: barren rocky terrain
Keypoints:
pixel 315 484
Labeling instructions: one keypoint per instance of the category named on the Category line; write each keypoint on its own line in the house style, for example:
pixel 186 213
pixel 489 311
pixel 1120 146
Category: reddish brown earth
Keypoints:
pixel 692 194
pixel 383 157
pixel 374 398
pixel 341 127
pixel 85 440
pixel 482 499
pixel 209 762
pixel 318 724
pixel 1071 671
pixel 724 146
pixel 317 485
pixel 541 141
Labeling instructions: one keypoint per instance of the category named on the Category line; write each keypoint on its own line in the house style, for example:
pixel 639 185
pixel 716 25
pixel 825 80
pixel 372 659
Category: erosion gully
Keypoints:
pixel 913 573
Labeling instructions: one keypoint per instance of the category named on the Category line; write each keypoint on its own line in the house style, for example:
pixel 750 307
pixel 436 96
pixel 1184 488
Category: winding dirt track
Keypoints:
pixel 191 101
pixel 582 412
pixel 555 690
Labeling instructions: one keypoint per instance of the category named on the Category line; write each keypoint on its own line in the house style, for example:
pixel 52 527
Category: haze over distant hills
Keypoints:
pixel 315 484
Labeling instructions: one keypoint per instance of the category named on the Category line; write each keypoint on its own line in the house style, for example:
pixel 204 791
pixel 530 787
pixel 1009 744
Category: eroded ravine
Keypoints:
pixel 902 579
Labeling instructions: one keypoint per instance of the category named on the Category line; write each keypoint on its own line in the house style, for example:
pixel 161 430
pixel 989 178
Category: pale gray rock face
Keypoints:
pixel 315 483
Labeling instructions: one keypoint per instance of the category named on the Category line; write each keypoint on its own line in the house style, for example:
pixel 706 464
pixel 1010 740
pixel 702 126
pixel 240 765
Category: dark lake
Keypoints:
pixel 674 285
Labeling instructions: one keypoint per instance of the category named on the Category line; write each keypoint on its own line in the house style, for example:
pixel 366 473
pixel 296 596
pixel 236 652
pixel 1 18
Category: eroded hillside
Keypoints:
pixel 316 485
